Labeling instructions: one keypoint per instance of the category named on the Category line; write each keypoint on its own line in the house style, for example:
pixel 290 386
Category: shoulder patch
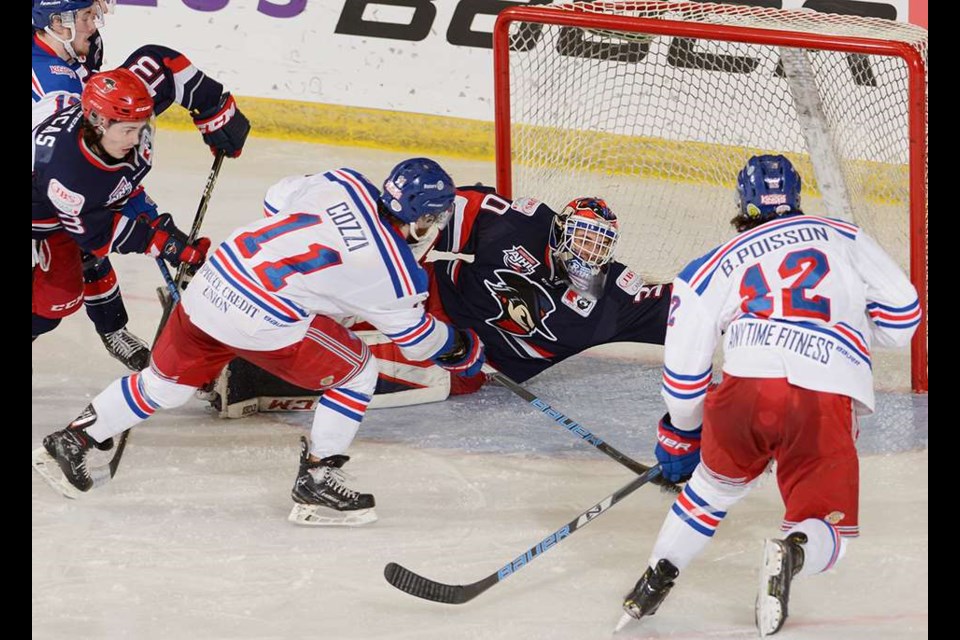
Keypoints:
pixel 582 305
pixel 64 199
pixel 527 206
pixel 122 189
pixel 59 69
pixel 630 281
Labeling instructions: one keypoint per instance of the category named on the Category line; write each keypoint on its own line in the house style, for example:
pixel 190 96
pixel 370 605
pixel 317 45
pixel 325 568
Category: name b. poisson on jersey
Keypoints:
pixel 766 238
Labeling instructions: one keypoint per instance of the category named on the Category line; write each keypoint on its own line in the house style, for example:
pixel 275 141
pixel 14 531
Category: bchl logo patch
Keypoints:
pixel 60 70
pixel 122 190
pixel 64 199
pixel 578 303
pixel 526 206
pixel 519 259
pixel 773 198
pixel 393 188
pixel 630 281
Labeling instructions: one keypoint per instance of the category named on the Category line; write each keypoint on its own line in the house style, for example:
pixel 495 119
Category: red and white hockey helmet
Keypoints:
pixel 116 95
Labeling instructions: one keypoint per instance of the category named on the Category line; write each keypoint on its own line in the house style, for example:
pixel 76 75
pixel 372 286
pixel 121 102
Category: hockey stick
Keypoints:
pixel 174 285
pixel 170 282
pixel 194 233
pixel 576 428
pixel 416 585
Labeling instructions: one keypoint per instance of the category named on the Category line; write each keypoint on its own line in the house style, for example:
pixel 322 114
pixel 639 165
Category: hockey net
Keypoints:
pixel 656 106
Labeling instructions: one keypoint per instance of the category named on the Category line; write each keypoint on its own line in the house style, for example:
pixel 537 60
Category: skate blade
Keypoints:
pixel 769 616
pixel 317 516
pixel 624 621
pixel 49 470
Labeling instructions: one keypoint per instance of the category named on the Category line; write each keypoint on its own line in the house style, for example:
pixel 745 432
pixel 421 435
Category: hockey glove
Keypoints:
pixel 94 57
pixel 465 357
pixel 678 451
pixel 139 204
pixel 224 127
pixel 169 243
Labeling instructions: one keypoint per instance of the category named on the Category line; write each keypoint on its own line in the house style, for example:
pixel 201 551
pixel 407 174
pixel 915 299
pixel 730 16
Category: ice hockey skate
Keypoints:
pixel 782 560
pixel 651 589
pixel 322 499
pixel 127 348
pixel 63 459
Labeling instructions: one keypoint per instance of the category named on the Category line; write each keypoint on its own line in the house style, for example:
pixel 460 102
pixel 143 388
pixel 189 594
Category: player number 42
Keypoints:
pixel 808 267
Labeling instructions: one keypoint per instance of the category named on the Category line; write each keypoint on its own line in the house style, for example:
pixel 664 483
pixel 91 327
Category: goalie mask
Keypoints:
pixel 583 239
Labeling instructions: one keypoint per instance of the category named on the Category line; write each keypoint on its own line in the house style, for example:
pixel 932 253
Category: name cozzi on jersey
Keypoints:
pixel 348 226
pixel 766 244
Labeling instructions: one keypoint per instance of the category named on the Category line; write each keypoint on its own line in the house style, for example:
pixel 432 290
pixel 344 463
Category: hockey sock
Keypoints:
pixel 336 421
pixel 694 518
pixel 120 406
pixel 824 546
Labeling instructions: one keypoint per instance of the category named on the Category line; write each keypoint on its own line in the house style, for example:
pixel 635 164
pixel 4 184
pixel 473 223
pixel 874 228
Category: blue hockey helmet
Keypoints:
pixel 45 10
pixel 767 187
pixel 419 190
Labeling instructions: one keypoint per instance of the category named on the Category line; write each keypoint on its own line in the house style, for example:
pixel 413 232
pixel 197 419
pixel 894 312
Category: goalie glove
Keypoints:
pixel 677 451
pixel 168 242
pixel 465 356
pixel 223 127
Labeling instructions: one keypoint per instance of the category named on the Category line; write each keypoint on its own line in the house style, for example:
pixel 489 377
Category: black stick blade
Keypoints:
pixel 416 585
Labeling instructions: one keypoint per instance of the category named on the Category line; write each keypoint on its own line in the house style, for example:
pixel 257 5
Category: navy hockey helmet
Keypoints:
pixel 767 187
pixel 416 188
pixel 45 10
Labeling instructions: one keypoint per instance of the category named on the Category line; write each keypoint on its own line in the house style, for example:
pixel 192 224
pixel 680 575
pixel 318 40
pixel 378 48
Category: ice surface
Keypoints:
pixel 191 540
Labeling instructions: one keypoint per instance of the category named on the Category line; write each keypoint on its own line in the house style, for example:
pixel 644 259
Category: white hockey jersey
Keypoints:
pixel 800 297
pixel 324 251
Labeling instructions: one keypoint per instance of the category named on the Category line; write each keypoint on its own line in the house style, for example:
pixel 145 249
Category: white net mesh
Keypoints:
pixel 659 125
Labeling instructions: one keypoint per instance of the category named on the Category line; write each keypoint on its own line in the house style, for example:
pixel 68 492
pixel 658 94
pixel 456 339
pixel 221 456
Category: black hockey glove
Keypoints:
pixel 95 54
pixel 465 356
pixel 224 127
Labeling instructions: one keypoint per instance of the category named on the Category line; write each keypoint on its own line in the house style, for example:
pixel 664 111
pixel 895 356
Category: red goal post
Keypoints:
pixel 655 106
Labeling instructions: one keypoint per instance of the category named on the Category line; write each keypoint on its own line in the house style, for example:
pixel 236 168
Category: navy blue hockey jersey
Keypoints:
pixel 77 191
pixel 506 287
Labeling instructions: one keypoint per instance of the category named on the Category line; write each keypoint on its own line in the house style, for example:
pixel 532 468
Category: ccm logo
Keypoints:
pixel 68 305
pixel 670 443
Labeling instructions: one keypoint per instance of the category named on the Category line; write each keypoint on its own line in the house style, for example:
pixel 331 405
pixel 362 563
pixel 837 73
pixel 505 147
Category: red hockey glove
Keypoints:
pixel 224 127
pixel 169 243
pixel 677 451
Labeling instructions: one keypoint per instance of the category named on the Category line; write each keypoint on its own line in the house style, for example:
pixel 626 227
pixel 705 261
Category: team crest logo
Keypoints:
pixel 519 259
pixel 123 189
pixel 524 305
pixel 109 84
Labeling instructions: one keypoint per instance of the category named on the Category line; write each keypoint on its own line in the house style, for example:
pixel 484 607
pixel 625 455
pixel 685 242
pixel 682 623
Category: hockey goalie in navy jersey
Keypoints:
pixel 537 286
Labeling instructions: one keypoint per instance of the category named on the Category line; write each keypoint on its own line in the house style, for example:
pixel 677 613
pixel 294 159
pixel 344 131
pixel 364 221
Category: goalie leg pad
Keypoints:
pixel 244 388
